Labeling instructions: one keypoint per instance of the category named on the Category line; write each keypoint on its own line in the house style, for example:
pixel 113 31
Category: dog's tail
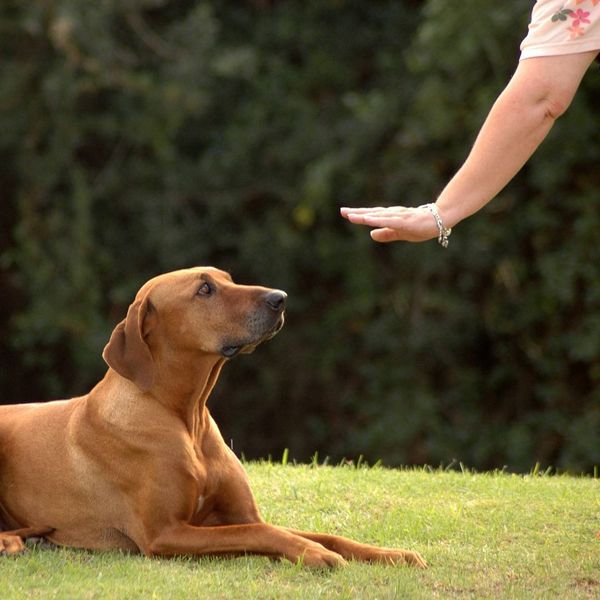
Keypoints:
pixel 29 532
pixel 22 532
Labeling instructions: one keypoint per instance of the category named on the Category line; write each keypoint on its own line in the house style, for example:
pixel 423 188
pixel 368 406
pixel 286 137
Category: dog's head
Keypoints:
pixel 198 310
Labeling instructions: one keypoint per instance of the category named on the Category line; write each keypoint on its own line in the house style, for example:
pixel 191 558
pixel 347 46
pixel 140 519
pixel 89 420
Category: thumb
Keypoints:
pixel 385 234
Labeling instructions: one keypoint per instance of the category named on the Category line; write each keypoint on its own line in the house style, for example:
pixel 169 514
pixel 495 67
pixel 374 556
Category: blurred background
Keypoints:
pixel 142 136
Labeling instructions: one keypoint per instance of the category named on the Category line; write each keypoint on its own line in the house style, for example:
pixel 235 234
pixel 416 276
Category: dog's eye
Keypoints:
pixel 205 289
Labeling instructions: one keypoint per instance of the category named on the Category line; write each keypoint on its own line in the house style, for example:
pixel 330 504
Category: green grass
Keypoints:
pixel 484 536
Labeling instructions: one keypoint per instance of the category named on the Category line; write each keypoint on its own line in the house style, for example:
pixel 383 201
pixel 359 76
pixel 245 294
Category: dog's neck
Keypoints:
pixel 183 386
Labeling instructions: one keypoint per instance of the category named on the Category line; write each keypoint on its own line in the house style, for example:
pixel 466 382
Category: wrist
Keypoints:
pixel 453 210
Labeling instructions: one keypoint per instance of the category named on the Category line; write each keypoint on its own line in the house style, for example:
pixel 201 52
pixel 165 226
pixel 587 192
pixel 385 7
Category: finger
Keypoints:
pixel 376 216
pixel 359 219
pixel 376 210
pixel 395 222
pixel 345 211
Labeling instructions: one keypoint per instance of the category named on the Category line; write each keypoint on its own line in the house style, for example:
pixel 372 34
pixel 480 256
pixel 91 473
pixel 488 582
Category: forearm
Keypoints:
pixel 517 124
pixel 508 138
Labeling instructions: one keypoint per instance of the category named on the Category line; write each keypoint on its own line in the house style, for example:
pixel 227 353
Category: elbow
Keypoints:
pixel 556 103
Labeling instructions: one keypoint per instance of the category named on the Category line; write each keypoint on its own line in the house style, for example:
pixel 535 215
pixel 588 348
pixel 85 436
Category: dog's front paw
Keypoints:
pixel 316 556
pixel 399 557
pixel 11 544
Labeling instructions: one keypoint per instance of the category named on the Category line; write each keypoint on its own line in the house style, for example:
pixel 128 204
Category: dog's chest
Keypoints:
pixel 206 490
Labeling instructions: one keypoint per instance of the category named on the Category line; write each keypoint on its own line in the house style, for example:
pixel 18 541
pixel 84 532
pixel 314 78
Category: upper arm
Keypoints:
pixel 552 80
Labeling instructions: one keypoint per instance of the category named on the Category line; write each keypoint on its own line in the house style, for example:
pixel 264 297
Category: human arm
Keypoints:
pixel 540 90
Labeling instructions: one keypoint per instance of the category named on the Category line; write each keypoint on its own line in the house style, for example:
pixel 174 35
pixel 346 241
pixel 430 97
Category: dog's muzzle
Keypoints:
pixel 265 323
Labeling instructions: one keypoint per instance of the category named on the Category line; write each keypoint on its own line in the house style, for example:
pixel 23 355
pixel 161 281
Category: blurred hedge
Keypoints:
pixel 142 136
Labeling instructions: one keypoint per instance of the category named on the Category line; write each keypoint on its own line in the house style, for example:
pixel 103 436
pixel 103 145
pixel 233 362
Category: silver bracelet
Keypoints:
pixel 443 232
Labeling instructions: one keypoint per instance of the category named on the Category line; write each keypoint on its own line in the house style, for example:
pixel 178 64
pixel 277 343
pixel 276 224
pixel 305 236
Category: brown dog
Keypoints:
pixel 138 463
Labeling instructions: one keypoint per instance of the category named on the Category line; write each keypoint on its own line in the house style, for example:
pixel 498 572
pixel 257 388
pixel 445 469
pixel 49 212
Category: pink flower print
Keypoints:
pixel 579 17
pixel 575 30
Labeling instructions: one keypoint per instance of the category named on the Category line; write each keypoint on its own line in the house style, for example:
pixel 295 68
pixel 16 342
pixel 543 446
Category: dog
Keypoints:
pixel 138 463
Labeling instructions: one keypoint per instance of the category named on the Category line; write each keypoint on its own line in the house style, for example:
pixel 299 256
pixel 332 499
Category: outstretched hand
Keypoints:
pixel 394 223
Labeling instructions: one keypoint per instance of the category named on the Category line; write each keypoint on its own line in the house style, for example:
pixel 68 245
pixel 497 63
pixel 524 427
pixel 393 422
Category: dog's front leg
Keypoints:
pixel 255 538
pixel 352 550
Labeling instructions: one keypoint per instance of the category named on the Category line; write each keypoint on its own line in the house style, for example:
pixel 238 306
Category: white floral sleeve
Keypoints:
pixel 562 27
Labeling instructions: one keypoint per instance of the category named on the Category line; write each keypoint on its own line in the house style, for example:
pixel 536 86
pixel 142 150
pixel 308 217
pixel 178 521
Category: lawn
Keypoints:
pixel 483 535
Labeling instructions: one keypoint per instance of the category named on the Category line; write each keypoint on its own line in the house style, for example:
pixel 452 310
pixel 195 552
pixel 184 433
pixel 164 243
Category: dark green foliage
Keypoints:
pixel 143 136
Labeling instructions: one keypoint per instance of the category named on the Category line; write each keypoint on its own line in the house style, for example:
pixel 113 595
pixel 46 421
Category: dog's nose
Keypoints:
pixel 276 300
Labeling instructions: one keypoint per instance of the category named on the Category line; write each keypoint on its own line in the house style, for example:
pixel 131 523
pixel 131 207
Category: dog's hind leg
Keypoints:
pixel 12 542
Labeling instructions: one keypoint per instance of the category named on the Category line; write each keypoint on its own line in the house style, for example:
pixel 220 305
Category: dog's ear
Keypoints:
pixel 127 351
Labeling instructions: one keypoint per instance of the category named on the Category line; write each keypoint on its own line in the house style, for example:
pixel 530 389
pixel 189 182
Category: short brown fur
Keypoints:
pixel 138 463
